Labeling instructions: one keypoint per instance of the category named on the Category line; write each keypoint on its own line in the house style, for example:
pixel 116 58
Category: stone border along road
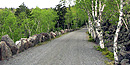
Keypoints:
pixel 70 49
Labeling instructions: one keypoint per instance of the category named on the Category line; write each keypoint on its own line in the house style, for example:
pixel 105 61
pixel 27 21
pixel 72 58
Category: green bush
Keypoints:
pixel 91 40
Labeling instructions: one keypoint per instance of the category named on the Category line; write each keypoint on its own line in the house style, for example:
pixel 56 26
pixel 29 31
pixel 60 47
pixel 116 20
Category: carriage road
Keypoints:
pixel 70 49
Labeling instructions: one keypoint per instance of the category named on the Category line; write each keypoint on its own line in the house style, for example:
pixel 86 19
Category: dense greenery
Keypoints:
pixel 102 24
pixel 109 19
pixel 23 22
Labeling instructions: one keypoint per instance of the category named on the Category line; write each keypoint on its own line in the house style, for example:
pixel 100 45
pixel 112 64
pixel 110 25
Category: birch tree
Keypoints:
pixel 93 11
pixel 117 32
pixel 98 25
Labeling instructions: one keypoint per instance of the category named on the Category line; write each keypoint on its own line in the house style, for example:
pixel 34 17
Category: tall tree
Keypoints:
pixel 117 32
pixel 22 8
pixel 61 11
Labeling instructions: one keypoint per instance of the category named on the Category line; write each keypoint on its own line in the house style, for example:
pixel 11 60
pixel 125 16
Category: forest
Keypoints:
pixel 23 22
pixel 107 21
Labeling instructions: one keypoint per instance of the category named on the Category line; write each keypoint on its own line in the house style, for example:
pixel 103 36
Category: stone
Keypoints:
pixel 21 45
pixel 31 40
pixel 5 51
pixel 47 36
pixel 25 44
pixel 18 44
pixel 39 38
pixel 53 35
pixel 35 39
pixel 59 33
pixel 127 47
pixel 66 30
pixel 10 43
pixel 43 38
pixel 56 33
pixel 62 31
pixel 125 62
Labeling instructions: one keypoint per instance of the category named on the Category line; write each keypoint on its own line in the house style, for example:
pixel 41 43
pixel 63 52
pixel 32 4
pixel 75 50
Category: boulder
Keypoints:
pixel 53 35
pixel 47 36
pixel 59 33
pixel 62 31
pixel 56 33
pixel 70 30
pixel 25 44
pixel 18 45
pixel 39 38
pixel 66 30
pixel 33 40
pixel 125 62
pixel 43 38
pixel 10 43
pixel 5 51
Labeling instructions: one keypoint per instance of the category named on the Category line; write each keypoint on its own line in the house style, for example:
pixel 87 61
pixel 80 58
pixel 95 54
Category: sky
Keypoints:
pixel 30 3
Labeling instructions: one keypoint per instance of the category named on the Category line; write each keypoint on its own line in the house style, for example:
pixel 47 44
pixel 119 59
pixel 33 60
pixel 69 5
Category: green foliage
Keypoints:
pixel 109 63
pixel 91 39
pixel 23 22
pixel 61 10
pixel 106 52
pixel 7 22
pixel 22 26
pixel 22 8
pixel 68 18
pixel 106 42
pixel 87 32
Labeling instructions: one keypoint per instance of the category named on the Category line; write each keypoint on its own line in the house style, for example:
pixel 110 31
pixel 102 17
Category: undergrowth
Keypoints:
pixel 107 54
pixel 91 39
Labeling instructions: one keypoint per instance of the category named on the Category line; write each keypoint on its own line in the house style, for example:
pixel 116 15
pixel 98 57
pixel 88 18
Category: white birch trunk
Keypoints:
pixel 96 9
pixel 95 14
pixel 98 28
pixel 117 32
pixel 91 29
pixel 93 11
pixel 93 33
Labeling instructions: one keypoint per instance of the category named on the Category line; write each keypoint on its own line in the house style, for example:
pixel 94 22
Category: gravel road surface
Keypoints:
pixel 70 49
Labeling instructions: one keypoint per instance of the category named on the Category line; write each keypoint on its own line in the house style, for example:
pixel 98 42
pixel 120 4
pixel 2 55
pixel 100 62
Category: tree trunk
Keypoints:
pixel 98 28
pixel 93 32
pixel 95 10
pixel 91 29
pixel 68 26
pixel 117 32
pixel 58 25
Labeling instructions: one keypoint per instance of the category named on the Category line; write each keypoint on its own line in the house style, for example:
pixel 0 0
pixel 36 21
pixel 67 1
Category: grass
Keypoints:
pixel 109 63
pixel 107 54
pixel 104 51
pixel 91 39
